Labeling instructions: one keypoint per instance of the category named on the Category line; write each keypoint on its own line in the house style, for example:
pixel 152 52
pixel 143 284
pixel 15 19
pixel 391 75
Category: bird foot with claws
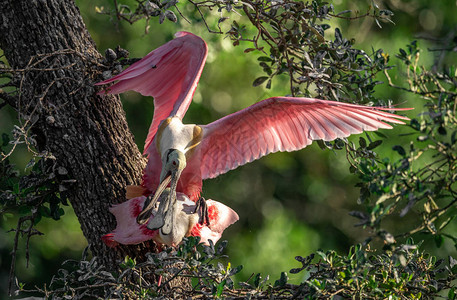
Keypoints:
pixel 202 209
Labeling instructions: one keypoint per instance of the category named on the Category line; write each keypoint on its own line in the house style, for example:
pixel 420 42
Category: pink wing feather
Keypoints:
pixel 128 231
pixel 283 124
pixel 221 216
pixel 169 73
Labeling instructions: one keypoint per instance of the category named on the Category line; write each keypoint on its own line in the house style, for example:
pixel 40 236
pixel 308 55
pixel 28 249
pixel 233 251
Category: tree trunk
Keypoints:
pixel 56 64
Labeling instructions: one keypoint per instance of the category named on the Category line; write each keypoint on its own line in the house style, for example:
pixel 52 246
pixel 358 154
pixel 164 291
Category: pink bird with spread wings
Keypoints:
pixel 182 155
pixel 208 223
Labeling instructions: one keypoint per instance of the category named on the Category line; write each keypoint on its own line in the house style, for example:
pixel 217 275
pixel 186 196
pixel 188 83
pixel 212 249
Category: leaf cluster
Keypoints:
pixel 421 179
pixel 292 37
pixel 403 273
pixel 143 9
pixel 28 198
pixel 158 275
pixel 40 193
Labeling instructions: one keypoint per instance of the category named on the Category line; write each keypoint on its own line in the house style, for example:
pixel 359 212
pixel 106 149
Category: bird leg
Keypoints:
pixel 202 209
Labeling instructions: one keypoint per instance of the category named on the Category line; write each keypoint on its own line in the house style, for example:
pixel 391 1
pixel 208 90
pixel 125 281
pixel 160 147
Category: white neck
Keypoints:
pixel 175 135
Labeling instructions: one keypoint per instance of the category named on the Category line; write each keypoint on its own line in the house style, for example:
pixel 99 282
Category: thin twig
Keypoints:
pixel 203 17
pixel 14 251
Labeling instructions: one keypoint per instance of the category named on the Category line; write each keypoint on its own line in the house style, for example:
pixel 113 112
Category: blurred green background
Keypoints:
pixel 289 203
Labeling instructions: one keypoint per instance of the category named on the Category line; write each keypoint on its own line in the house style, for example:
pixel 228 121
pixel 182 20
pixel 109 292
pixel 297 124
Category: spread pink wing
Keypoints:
pixel 221 216
pixel 170 74
pixel 283 124
pixel 127 230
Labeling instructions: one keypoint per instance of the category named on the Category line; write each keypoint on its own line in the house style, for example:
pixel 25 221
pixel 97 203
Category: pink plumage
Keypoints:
pixel 170 74
pixel 283 124
pixel 128 231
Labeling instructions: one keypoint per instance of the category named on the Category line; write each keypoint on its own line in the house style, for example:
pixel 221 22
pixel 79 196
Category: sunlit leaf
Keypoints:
pixel 259 81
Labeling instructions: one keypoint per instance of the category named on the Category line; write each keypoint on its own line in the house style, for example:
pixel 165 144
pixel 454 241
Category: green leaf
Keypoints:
pixel 374 144
pixel 445 223
pixel 220 288
pixel 322 254
pixel 295 270
pixel 380 134
pixel 7 215
pixel 259 81
pixel 222 245
pixel 264 58
pixel 321 144
pixel 338 35
pixel 343 12
pixel 362 142
pixel 247 50
pixel 451 294
pixel 44 211
pixel 399 149
pixel 442 130
pixel 6 139
pixel 235 270
pixel 282 280
pixel 37 219
pixel 257 280
pixel 439 240
pixel 415 124
pixel 129 262
pixel 453 137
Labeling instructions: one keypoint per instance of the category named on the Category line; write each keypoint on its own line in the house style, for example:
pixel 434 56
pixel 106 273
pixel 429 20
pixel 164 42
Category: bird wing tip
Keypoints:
pixel 109 241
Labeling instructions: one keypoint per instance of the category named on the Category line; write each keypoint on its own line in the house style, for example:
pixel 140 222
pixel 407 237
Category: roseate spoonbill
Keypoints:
pixel 188 222
pixel 186 154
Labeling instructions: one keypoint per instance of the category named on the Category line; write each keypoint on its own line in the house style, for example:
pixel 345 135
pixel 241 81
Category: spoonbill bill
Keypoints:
pixel 183 155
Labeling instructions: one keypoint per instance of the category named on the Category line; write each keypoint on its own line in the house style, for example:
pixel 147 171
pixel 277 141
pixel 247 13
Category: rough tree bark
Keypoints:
pixel 56 63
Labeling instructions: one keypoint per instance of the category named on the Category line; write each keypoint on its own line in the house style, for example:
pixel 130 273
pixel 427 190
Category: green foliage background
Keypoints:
pixel 289 203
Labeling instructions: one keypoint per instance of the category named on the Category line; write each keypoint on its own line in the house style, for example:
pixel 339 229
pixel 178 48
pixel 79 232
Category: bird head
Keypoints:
pixel 173 163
